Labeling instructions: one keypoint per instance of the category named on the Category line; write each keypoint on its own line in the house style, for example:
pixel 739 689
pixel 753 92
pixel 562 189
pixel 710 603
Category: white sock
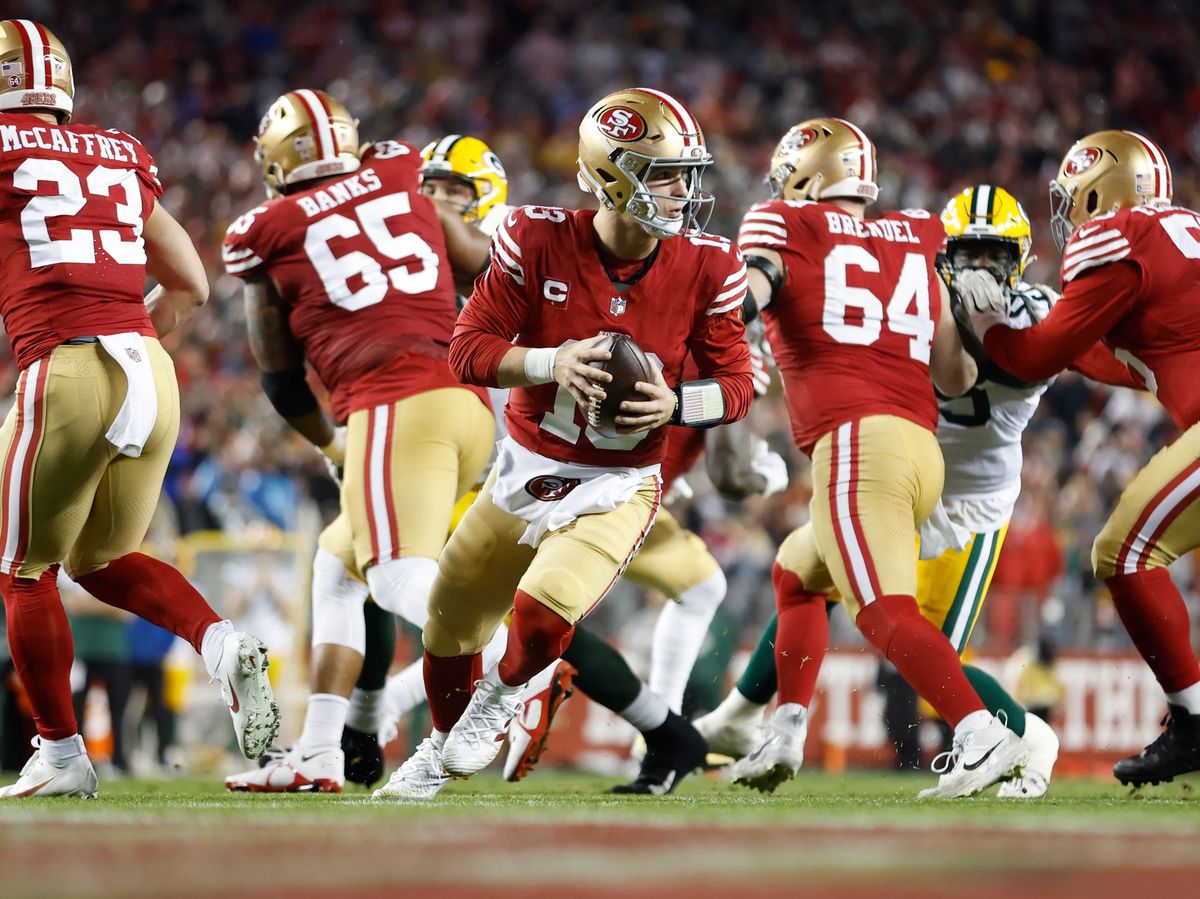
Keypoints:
pixel 439 738
pixel 646 712
pixel 323 722
pixel 494 651
pixel 366 708
pixel 59 752
pixel 736 707
pixel 404 691
pixel 1188 697
pixel 678 636
pixel 402 587
pixel 493 677
pixel 212 645
pixel 973 721
pixel 337 604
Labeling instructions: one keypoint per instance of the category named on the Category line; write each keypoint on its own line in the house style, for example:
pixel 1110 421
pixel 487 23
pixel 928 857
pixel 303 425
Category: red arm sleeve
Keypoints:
pixel 719 348
pixel 486 327
pixel 1102 366
pixel 1090 306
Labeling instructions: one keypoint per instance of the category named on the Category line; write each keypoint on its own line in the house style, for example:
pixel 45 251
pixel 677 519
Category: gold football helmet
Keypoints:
pixel 983 215
pixel 628 136
pixel 35 69
pixel 823 159
pixel 305 134
pixel 1103 172
pixel 470 160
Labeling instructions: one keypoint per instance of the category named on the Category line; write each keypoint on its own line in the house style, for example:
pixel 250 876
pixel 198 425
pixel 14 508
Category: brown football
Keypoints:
pixel 627 366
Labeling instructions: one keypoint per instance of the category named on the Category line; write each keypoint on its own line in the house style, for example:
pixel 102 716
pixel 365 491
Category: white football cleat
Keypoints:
pixel 418 778
pixel 977 759
pixel 1043 753
pixel 242 676
pixel 544 694
pixel 76 777
pixel 731 736
pixel 475 740
pixel 780 751
pixel 297 772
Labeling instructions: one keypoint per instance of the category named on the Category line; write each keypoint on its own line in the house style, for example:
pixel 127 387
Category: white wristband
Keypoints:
pixel 539 364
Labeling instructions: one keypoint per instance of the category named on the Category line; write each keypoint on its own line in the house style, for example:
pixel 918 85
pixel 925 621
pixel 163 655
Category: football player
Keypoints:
pixel 87 441
pixel 566 506
pixel 345 267
pixel 859 321
pixel 1131 276
pixel 980 437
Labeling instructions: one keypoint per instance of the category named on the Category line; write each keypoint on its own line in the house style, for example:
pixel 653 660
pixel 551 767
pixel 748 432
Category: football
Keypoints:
pixel 627 366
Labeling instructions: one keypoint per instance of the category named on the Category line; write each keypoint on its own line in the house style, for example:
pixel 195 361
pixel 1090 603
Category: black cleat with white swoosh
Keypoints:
pixel 673 750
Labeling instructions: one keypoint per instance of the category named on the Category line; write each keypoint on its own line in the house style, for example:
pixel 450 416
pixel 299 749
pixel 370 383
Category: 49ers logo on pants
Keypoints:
pixel 622 123
pixel 548 487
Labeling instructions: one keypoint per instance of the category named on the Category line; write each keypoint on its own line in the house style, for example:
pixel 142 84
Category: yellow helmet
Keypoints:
pixel 823 159
pixel 35 69
pixel 1105 171
pixel 987 214
pixel 305 134
pixel 470 160
pixel 626 136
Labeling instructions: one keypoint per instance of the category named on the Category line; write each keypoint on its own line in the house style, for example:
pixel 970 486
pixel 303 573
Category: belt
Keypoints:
pixel 81 341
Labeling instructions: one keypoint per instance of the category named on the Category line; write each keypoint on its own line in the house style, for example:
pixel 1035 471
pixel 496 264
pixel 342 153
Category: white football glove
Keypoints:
pixel 983 298
pixel 771 466
pixel 680 489
pixel 1038 311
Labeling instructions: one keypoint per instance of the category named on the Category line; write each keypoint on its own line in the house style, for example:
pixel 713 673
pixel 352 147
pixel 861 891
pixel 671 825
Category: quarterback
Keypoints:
pixel 87 441
pixel 1131 276
pixel 566 507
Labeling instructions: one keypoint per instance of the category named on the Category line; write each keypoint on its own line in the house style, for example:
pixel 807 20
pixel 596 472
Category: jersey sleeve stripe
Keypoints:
pixel 777 230
pixel 752 238
pixel 732 304
pixel 736 276
pixel 507 264
pixel 773 217
pixel 1099 250
pixel 231 255
pixel 236 268
pixel 511 245
pixel 1091 262
pixel 729 299
pixel 1092 240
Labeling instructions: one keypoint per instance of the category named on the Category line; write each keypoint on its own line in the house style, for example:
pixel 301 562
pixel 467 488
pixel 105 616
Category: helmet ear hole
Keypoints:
pixel 608 178
pixel 1093 201
pixel 802 184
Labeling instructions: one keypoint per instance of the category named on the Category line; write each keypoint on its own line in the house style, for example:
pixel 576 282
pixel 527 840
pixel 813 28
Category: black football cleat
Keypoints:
pixel 1175 752
pixel 364 758
pixel 674 750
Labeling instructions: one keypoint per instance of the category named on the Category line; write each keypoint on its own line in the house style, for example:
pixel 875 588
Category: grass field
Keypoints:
pixel 561 835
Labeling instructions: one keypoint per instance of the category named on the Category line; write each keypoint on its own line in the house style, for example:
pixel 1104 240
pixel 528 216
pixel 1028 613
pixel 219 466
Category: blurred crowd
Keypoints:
pixel 981 91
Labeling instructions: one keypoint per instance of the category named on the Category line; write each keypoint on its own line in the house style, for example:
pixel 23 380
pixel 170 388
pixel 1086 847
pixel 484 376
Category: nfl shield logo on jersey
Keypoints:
pixel 617 306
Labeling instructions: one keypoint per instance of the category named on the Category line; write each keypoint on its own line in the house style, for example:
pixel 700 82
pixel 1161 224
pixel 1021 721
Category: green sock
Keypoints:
pixel 758 680
pixel 995 698
pixel 380 649
pixel 604 675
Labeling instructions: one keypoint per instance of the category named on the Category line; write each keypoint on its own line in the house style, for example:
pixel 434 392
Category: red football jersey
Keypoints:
pixel 547 286
pixel 1132 279
pixel 73 202
pixel 852 324
pixel 685 446
pixel 361 260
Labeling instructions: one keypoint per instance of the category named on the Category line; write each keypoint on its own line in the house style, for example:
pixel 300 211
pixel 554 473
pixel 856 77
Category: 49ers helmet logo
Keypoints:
pixel 1081 160
pixel 549 487
pixel 621 123
pixel 801 138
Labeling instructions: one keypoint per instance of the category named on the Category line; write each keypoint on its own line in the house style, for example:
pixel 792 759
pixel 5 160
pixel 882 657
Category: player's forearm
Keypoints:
pixel 294 400
pixel 486 360
pixel 169 308
pixel 1102 366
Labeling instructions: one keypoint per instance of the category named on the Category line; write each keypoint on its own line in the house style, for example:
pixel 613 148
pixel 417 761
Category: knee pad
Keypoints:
pixel 337 604
pixel 706 595
pixel 402 587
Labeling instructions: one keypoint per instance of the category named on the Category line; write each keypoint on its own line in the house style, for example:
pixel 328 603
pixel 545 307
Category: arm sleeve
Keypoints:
pixel 1102 366
pixel 1090 306
pixel 492 318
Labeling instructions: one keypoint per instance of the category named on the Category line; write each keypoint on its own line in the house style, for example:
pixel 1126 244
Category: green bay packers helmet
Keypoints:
pixel 985 214
pixel 306 134
pixel 470 160
pixel 1103 172
pixel 824 159
pixel 628 136
pixel 35 70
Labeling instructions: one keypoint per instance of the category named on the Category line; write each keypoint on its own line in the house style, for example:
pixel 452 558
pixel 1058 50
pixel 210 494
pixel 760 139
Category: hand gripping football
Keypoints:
pixel 627 366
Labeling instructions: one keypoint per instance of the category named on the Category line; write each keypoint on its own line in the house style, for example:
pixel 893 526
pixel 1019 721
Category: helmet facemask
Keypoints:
pixel 654 210
pixel 1006 272
pixel 1062 201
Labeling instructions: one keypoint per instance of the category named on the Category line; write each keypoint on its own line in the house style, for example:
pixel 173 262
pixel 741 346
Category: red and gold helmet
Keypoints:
pixel 824 159
pixel 305 134
pixel 35 70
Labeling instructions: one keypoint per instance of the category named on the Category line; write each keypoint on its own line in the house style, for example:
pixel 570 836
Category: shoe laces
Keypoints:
pixel 945 761
pixel 488 714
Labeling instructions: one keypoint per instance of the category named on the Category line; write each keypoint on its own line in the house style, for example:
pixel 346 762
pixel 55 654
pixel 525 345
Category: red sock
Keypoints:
pixel 921 653
pixel 39 638
pixel 1157 620
pixel 802 638
pixel 449 682
pixel 155 591
pixel 537 636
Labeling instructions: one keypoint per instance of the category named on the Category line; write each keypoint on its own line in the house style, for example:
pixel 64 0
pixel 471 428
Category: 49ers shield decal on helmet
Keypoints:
pixel 1082 160
pixel 622 123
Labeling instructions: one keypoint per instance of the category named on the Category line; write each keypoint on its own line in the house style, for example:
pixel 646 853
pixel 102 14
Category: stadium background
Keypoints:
pixel 991 92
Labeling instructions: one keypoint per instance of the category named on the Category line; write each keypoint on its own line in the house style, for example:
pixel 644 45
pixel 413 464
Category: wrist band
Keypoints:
pixel 539 364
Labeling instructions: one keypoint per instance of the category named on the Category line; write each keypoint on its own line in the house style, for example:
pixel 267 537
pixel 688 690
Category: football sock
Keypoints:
pixel 647 711
pixel 59 752
pixel 736 707
pixel 366 709
pixel 212 645
pixel 536 637
pixel 604 675
pixel 323 722
pixel 1189 698
pixel 337 604
pixel 155 591
pixel 402 587
pixel 449 681
pixel 495 649
pixel 380 647
pixel 758 683
pixel 922 655
pixel 1156 618
pixel 678 636
pixel 404 691
pixel 802 638
pixel 39 639
pixel 996 698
